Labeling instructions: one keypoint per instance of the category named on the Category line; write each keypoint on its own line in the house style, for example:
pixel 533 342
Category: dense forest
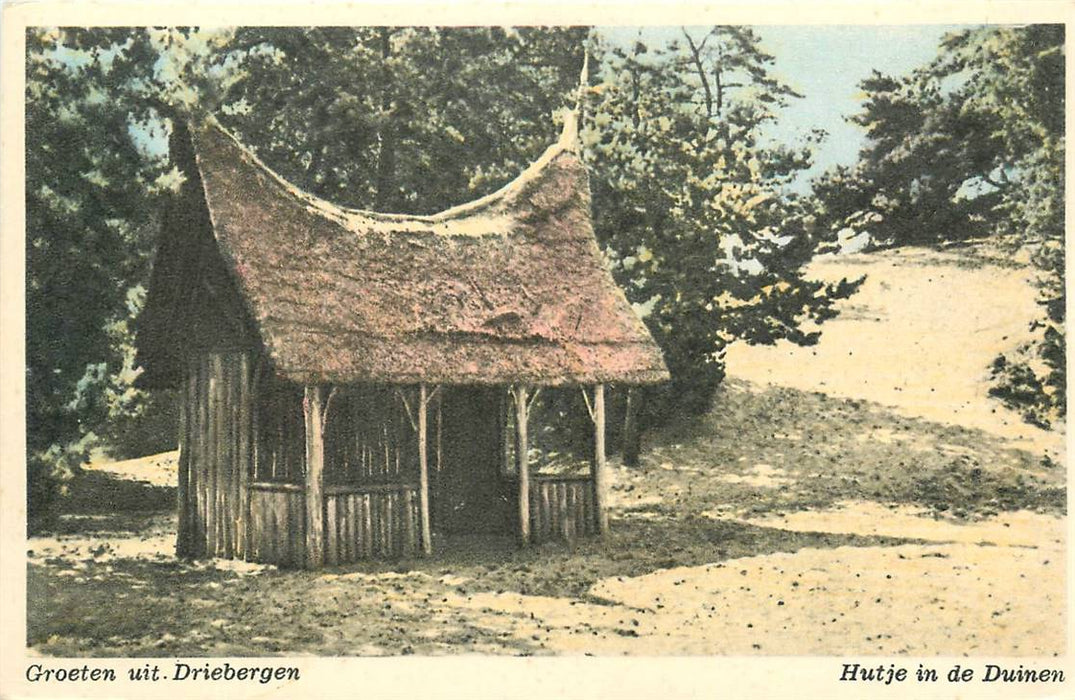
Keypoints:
pixel 692 199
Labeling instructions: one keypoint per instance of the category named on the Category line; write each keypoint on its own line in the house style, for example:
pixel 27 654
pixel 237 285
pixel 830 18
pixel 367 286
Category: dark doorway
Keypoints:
pixel 470 495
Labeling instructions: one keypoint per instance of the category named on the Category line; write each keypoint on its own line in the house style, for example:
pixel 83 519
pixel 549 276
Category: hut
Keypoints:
pixel 353 382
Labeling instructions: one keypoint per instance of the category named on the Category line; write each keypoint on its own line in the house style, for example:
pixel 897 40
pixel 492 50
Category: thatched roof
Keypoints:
pixel 508 288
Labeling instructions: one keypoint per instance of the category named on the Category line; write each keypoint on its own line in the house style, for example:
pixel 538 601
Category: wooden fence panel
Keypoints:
pixel 562 508
pixel 373 521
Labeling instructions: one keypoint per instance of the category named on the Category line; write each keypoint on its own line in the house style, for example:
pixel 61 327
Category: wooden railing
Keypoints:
pixel 378 521
pixel 277 529
pixel 562 508
pixel 372 521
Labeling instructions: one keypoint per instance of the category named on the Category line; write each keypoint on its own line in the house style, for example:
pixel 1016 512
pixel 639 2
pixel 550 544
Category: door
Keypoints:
pixel 469 493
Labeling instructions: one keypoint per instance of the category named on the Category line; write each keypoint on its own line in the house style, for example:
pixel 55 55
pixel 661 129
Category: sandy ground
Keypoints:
pixel 919 336
pixel 859 497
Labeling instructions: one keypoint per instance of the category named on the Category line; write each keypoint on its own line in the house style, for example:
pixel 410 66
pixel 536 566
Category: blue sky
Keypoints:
pixel 825 63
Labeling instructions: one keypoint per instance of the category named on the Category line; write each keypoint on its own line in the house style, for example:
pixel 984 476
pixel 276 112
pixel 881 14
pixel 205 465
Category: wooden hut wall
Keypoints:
pixel 277 524
pixel 215 454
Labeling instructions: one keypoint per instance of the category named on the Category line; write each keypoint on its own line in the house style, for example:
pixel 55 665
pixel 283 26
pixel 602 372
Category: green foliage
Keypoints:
pixel 972 145
pixel 689 203
pixel 688 196
pixel 93 183
pixel 400 119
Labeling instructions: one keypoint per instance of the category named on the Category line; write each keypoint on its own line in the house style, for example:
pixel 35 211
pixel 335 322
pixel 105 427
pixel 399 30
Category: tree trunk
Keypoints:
pixel 386 157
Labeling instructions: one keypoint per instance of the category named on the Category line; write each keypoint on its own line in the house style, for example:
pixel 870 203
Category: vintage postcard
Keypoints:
pixel 496 351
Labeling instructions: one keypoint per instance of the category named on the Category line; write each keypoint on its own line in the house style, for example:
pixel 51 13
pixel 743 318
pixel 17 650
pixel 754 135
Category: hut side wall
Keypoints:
pixel 215 455
pixel 242 466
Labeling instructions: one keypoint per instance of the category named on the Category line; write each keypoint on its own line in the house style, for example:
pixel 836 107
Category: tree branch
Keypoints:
pixel 696 58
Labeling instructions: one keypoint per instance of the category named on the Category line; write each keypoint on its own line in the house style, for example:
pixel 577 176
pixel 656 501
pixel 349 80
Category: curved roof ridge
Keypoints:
pixel 362 220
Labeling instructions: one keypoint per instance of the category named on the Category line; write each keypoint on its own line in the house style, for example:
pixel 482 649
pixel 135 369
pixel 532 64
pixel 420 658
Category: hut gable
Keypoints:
pixel 193 304
pixel 508 288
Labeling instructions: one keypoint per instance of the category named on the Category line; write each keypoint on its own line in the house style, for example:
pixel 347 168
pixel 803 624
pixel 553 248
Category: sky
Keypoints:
pixel 825 64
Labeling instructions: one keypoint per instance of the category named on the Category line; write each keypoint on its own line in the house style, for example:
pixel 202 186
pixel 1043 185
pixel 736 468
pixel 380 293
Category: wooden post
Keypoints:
pixel 523 460
pixel 632 435
pixel 423 471
pixel 600 468
pixel 505 434
pixel 315 476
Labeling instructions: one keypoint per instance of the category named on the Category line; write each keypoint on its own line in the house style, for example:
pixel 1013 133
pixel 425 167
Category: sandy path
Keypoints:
pixel 990 588
pixel 919 336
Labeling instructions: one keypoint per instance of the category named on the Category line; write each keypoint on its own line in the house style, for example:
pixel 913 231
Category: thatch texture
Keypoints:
pixel 509 288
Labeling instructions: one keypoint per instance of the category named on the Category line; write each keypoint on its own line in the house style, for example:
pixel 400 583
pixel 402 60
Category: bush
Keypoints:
pixel 48 475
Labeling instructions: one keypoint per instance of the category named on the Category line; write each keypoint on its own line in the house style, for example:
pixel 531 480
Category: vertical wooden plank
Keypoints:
pixel 359 529
pixel 252 529
pixel 268 509
pixel 506 433
pixel 382 499
pixel 546 511
pixel 423 471
pixel 230 386
pixel 583 509
pixel 298 528
pixel 386 500
pixel 295 529
pixel 287 530
pixel 312 405
pixel 210 459
pixel 385 531
pixel 554 510
pixel 295 532
pixel 367 520
pixel 331 530
pixel 263 529
pixel 343 501
pixel 572 507
pixel 246 450
pixel 535 512
pixel 194 431
pixel 353 515
pixel 273 515
pixel 216 421
pixel 390 522
pixel 523 459
pixel 276 545
pixel 256 529
pixel 197 434
pixel 227 415
pixel 207 457
pixel 183 478
pixel 375 519
pixel 600 467
pixel 580 504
